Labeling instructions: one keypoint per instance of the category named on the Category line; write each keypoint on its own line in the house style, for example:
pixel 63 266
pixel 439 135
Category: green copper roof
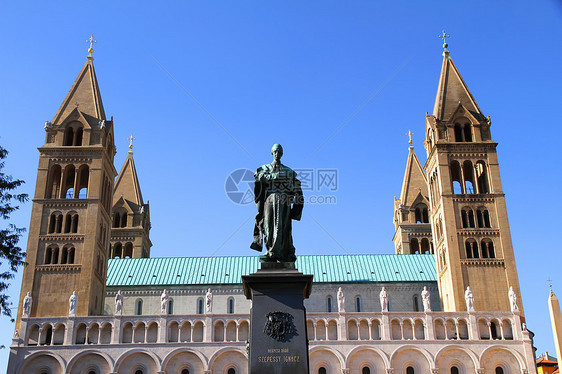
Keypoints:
pixel 162 271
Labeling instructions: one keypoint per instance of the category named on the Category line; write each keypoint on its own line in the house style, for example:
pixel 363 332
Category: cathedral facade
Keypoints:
pixel 93 301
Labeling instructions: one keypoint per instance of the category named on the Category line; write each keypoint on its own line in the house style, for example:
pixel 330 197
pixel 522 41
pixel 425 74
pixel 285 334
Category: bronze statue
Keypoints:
pixel 279 200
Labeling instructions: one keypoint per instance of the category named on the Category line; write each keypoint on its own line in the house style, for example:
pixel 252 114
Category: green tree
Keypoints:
pixel 10 253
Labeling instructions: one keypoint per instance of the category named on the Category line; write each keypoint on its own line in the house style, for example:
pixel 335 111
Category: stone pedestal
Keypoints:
pixel 278 337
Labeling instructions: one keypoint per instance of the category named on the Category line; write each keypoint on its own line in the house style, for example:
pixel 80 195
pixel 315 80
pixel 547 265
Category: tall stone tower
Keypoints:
pixel 130 232
pixel 411 211
pixel 468 213
pixel 70 221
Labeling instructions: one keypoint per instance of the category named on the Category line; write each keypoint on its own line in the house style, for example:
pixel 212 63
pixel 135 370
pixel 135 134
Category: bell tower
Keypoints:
pixel 70 226
pixel 467 204
pixel 411 210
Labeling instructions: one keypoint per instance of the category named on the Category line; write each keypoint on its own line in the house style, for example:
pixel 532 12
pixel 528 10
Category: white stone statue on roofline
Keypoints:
pixel 209 300
pixel 164 302
pixel 512 300
pixel 119 303
pixel 27 301
pixel 469 298
pixel 425 299
pixel 341 301
pixel 383 296
pixel 72 304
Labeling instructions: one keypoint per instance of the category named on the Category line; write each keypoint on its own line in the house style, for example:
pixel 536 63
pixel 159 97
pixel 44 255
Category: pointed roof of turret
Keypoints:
pixel 127 183
pixel 415 180
pixel 84 95
pixel 451 91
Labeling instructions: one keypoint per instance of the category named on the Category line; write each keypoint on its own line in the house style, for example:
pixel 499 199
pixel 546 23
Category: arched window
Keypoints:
pixel 70 259
pixel 53 182
pixel 139 371
pixel 200 305
pixel 116 219
pixel 329 304
pixel 410 370
pixel 68 182
pixel 366 370
pixel 454 370
pixel 55 223
pixel 416 303
pixel 482 177
pixel 467 216
pixel 358 304
pixel 499 370
pixel 231 371
pixel 230 306
pixel 425 247
pixel 421 214
pixel 78 134
pixel 55 258
pixel 458 133
pixel 68 136
pixel 92 372
pixel 322 370
pixel 128 250
pixel 83 179
pixel 171 306
pixel 483 217
pixel 456 178
pixel 138 307
pixel 64 256
pixel 49 253
pixel 487 246
pixel 67 223
pixel 414 246
pixel 471 247
pixel 117 250
pixel 123 219
pixel 74 226
pixel 185 371
pixel 467 130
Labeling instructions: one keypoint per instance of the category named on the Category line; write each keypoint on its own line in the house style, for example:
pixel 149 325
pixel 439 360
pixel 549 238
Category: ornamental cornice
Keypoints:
pixel 478 232
pixel 475 198
pixel 68 160
pixel 61 238
pixel 156 292
pixel 64 203
pixel 70 151
pixel 466 146
pixel 58 268
pixel 483 262
pixel 468 156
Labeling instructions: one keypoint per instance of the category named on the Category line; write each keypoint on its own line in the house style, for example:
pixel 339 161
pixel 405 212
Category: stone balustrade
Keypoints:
pixel 321 327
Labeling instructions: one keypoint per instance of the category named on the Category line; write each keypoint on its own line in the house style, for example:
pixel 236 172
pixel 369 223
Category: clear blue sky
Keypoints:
pixel 294 73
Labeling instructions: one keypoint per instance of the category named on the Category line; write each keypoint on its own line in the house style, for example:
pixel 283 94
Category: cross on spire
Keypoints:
pixel 549 284
pixel 91 41
pixel 410 133
pixel 444 36
pixel 130 139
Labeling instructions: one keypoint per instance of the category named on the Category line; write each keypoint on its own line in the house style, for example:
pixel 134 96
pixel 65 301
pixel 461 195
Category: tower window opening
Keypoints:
pixel 467 132
pixel 53 184
pixel 482 177
pixel 322 370
pixel 74 228
pixel 185 371
pixel 68 136
pixel 366 370
pixel 64 256
pixel 78 135
pixel 83 178
pixel 116 219
pixel 422 214
pixel 454 370
pixel 471 247
pixel 499 370
pixel 68 185
pixel 329 304
pixel 200 306
pixel 171 306
pixel 488 249
pixel 138 307
pixel 124 220
pixel 67 223
pixel 55 259
pixel 71 252
pixel 358 304
pixel 414 246
pixel 459 135
pixel 231 371
pixel 456 178
pixel 468 176
pixel 117 249
pixel 410 370
pixel 128 250
pixel 416 303
pixel 425 246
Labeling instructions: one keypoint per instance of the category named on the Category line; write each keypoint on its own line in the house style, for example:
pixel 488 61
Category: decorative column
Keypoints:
pixel 429 328
pixel 116 335
pixel 163 329
pixel 385 327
